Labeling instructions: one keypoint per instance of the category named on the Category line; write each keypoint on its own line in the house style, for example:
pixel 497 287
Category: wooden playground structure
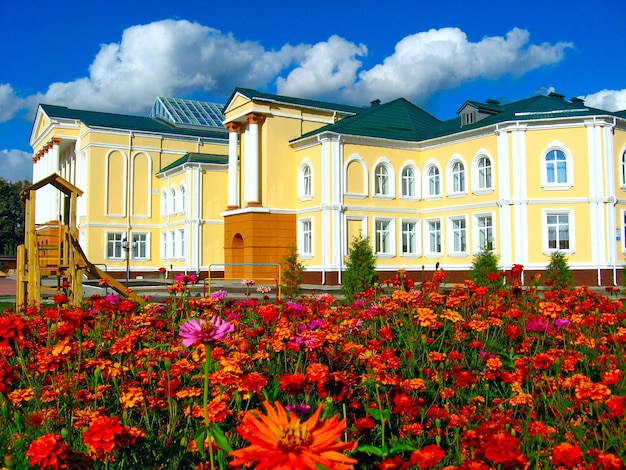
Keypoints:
pixel 51 250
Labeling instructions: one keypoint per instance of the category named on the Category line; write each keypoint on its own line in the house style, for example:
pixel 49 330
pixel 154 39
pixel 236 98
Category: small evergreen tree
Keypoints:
pixel 558 275
pixel 292 273
pixel 484 270
pixel 360 271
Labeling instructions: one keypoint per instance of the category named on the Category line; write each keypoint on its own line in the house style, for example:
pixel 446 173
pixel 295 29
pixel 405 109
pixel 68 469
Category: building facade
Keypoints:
pixel 524 179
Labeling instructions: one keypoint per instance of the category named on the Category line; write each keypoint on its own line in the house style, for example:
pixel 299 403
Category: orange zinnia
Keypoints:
pixel 279 441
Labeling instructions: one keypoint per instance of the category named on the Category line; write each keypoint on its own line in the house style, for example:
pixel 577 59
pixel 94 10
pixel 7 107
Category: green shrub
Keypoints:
pixel 292 273
pixel 558 275
pixel 485 271
pixel 360 271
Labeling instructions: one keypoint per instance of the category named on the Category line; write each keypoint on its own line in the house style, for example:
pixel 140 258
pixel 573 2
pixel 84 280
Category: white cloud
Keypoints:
pixel 611 100
pixel 16 165
pixel 178 58
pixel 328 67
pixel 10 103
pixel 439 59
pixel 169 58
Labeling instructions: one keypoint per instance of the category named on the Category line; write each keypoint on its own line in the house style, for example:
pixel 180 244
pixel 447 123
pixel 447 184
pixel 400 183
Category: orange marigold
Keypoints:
pixel 281 441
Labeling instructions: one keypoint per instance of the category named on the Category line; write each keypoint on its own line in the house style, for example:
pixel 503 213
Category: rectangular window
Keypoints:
pixel 115 250
pixel 459 235
pixel 409 237
pixel 558 231
pixel 140 245
pixel 434 236
pixel 180 243
pixel 169 249
pixel 383 242
pixel 306 237
pixel 485 232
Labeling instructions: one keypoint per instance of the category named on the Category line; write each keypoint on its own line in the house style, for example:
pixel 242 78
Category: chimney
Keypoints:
pixel 558 96
pixel 492 101
pixel 577 100
pixel 375 103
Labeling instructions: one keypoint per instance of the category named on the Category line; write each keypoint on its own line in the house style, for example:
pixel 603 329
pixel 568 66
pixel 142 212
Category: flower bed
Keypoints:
pixel 405 377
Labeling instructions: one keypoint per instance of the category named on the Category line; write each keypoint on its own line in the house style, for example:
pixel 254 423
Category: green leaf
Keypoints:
pixel 220 438
pixel 401 448
pixel 372 450
pixel 375 412
pixel 200 438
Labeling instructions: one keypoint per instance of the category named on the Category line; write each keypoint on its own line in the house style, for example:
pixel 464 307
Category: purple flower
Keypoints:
pixel 562 323
pixel 538 325
pixel 205 331
pixel 219 295
pixel 315 324
pixel 299 409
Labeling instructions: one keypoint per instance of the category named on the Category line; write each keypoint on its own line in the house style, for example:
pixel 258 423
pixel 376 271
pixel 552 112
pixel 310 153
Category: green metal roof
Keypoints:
pixel 254 94
pixel 129 122
pixel 404 121
pixel 201 158
pixel 397 120
pixel 536 107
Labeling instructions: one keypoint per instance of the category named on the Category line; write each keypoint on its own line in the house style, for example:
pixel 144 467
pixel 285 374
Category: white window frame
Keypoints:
pixel 179 243
pixel 410 183
pixel 114 241
pixel 181 200
pixel 389 225
pixel 140 245
pixel 163 239
pixel 171 244
pixel 172 201
pixel 305 238
pixel 479 186
pixel 623 170
pixel 164 206
pixel 305 181
pixel 390 191
pixel 546 231
pixel 623 231
pixel 428 252
pixel 478 230
pixel 415 233
pixel 458 236
pixel 428 179
pixel 569 167
pixel 452 174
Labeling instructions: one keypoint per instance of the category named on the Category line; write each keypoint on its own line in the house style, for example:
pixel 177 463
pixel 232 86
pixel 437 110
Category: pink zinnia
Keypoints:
pixel 204 331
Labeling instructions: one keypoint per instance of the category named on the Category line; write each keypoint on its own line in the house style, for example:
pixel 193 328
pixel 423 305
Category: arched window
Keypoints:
pixel 434 181
pixel 484 173
pixel 306 181
pixel 556 167
pixel 172 201
pixel 182 201
pixel 164 207
pixel 381 181
pixel 458 177
pixel 409 182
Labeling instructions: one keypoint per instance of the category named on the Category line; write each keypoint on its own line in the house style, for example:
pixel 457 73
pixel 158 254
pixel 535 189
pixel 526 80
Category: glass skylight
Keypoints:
pixel 190 112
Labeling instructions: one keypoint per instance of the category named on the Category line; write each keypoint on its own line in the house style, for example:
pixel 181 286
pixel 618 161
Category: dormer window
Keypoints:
pixel 469 117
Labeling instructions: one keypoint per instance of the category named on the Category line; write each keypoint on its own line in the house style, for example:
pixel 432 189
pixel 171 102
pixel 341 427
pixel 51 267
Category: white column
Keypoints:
pixel 233 170
pixel 252 162
pixel 54 168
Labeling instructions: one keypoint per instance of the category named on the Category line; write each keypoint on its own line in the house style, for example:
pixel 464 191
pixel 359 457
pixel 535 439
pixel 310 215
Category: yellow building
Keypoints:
pixel 525 179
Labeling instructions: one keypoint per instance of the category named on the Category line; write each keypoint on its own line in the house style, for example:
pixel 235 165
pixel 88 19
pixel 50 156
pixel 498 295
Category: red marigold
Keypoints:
pixel 502 448
pixel 280 441
pixel 428 456
pixel 48 451
pixel 101 434
pixel 566 454
pixel 7 376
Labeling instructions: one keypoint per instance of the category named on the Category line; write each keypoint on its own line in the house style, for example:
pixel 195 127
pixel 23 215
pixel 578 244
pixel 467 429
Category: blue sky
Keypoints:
pixel 118 56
